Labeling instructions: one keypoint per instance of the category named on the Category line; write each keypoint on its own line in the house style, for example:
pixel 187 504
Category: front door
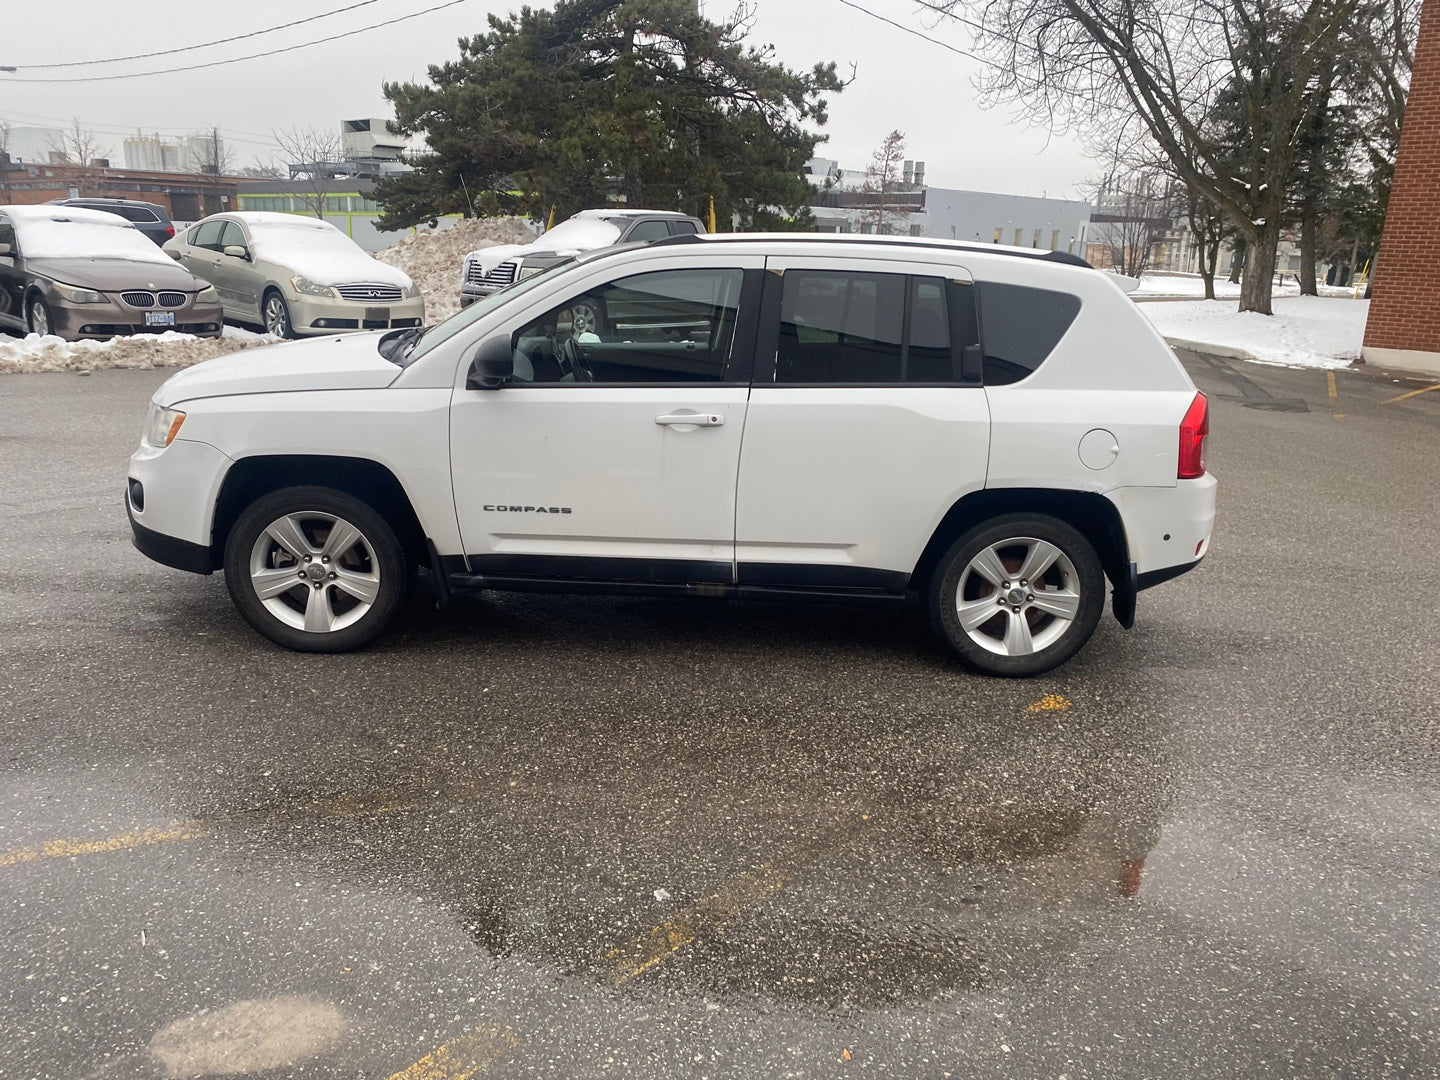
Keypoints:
pixel 864 425
pixel 612 454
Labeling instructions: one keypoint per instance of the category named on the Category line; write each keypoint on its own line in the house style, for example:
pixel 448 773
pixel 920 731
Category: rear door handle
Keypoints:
pixel 690 419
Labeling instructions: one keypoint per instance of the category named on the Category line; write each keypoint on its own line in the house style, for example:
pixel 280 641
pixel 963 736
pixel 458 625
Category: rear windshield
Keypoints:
pixel 1019 327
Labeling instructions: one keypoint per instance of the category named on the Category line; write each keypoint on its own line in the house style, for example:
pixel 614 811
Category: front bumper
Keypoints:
pixel 168 550
pixel 97 322
pixel 170 500
pixel 329 315
pixel 470 293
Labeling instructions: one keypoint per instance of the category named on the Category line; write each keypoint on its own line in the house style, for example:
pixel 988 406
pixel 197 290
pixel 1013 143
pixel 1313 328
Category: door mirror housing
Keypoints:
pixel 173 254
pixel 6 249
pixel 237 251
pixel 493 365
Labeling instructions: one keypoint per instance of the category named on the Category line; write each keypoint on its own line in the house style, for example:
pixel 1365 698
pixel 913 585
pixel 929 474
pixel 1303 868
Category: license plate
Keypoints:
pixel 377 314
pixel 159 318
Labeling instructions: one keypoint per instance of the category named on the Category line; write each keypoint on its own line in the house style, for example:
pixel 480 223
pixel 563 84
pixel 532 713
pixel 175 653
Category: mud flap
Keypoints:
pixel 1122 602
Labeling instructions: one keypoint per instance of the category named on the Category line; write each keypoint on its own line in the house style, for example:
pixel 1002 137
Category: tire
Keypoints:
pixel 341 597
pixel 275 315
pixel 1033 630
pixel 37 316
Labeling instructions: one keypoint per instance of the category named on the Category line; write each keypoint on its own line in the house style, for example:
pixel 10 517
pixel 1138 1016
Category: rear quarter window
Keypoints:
pixel 1019 327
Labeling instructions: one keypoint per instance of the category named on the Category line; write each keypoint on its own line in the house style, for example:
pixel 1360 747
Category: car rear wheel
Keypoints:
pixel 315 569
pixel 37 316
pixel 1018 595
pixel 276 315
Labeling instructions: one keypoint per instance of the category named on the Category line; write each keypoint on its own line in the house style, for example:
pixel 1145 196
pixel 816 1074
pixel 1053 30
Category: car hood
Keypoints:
pixel 351 362
pixel 112 274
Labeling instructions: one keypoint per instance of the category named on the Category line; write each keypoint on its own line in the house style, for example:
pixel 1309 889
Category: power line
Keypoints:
pixel 917 33
pixel 237 59
pixel 191 48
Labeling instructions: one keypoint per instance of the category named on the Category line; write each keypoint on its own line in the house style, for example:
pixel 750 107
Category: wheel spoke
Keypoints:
pixel 1018 641
pixel 342 538
pixel 364 587
pixel 287 533
pixel 269 584
pixel 988 565
pixel 976 613
pixel 1038 559
pixel 319 615
pixel 1061 603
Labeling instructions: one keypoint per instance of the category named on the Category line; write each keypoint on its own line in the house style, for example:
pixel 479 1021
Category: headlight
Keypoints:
pixel 162 425
pixel 310 288
pixel 73 295
pixel 527 271
pixel 207 295
pixel 411 291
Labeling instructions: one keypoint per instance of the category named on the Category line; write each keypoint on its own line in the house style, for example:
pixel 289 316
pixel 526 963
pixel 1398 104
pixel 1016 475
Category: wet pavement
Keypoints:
pixel 584 837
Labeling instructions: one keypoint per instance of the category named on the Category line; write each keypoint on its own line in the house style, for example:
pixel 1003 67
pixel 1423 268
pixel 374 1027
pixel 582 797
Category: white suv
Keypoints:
pixel 993 431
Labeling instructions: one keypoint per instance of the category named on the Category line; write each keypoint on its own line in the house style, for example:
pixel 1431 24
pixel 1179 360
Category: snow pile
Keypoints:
pixel 170 349
pixel 1305 331
pixel 435 258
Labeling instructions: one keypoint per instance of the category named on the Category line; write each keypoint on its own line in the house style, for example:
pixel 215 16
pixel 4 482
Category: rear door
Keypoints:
pixel 864 425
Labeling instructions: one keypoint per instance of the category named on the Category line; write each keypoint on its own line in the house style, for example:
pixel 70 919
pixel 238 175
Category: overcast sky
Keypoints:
pixel 901 82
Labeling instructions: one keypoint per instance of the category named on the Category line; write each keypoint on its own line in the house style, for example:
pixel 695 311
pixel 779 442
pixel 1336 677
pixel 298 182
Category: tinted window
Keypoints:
pixel 666 327
pixel 647 232
pixel 7 233
pixel 207 235
pixel 1020 327
pixel 133 213
pixel 683 228
pixel 851 328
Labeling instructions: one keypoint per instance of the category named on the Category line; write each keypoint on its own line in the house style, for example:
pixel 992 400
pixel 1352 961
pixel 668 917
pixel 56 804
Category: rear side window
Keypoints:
pixel 862 329
pixel 647 232
pixel 1019 327
pixel 135 213
pixel 683 228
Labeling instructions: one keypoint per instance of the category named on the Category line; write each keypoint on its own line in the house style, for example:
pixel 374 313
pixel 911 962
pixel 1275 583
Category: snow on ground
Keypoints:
pixel 435 259
pixel 50 353
pixel 1305 331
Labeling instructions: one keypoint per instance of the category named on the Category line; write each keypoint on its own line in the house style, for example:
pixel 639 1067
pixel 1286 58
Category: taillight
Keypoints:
pixel 1193 430
pixel 169 230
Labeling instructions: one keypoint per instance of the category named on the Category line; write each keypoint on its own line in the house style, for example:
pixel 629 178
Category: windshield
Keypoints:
pixel 275 242
pixel 584 233
pixel 47 238
pixel 444 331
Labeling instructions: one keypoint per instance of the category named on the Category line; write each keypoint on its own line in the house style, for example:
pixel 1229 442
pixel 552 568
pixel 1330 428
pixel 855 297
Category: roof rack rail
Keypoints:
pixel 921 242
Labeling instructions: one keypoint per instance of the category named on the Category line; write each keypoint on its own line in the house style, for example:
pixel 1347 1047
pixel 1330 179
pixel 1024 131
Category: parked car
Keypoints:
pixel 79 273
pixel 297 275
pixel 490 269
pixel 991 431
pixel 150 218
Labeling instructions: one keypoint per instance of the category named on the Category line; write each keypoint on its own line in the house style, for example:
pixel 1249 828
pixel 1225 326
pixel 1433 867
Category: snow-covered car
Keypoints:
pixel 991 431
pixel 296 275
pixel 490 269
pixel 78 273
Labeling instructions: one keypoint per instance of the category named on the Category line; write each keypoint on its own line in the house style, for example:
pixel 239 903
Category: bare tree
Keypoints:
pixel 1171 64
pixel 81 148
pixel 210 154
pixel 882 179
pixel 312 155
pixel 1134 209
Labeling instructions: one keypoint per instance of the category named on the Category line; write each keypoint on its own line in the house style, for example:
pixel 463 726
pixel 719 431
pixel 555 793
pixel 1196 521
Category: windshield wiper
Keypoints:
pixel 397 348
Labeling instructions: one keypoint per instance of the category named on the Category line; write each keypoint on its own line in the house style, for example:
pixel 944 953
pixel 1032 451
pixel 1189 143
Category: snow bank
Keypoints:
pixel 1305 331
pixel 435 259
pixel 36 353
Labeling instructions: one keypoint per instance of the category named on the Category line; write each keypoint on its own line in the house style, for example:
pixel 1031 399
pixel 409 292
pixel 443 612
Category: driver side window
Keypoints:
pixel 673 326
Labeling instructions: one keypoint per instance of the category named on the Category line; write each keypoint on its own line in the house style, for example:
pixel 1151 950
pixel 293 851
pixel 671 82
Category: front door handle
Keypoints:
pixel 690 419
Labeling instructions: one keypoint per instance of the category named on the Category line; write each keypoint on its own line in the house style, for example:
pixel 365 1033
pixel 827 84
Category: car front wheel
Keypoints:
pixel 1018 595
pixel 277 315
pixel 315 569
pixel 37 316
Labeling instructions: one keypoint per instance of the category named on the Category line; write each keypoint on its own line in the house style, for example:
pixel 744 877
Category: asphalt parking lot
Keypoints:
pixel 585 837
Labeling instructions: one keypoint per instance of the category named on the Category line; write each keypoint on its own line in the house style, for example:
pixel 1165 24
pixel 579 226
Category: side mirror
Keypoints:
pixel 173 254
pixel 237 251
pixel 6 249
pixel 494 364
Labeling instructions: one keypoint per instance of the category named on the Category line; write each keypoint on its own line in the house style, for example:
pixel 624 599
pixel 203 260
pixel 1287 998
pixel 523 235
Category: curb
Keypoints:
pixel 1230 352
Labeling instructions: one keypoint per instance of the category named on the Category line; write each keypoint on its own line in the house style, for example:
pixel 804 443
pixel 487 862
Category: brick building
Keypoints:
pixel 1403 330
pixel 187 196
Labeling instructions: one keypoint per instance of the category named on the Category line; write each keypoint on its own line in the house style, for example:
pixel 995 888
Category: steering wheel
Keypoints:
pixel 572 358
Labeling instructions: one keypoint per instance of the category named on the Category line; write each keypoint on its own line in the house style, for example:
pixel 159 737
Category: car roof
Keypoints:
pixel 270 218
pixel 105 201
pixel 51 212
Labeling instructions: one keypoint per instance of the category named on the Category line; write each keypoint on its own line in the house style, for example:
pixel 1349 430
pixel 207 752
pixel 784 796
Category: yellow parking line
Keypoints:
pixel 1412 393
pixel 671 936
pixel 1050 703
pixel 1330 380
pixel 64 849
pixel 462 1057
